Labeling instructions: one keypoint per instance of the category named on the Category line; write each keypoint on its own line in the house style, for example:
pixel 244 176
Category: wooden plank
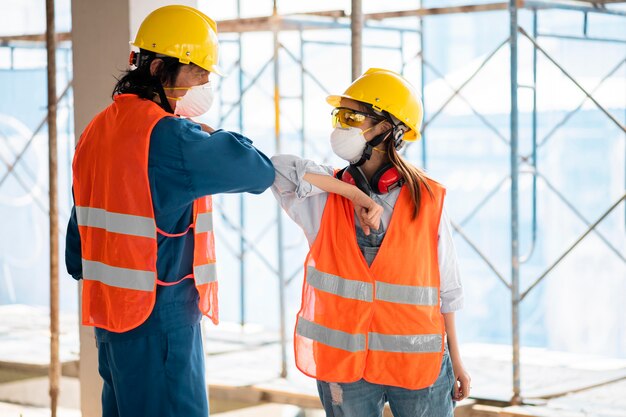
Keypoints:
pixel 600 1
pixel 265 410
pixel 433 11
pixel 38 37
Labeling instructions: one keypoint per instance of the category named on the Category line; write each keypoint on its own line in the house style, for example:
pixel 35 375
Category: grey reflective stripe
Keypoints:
pixel 421 343
pixel 203 274
pixel 204 222
pixel 126 224
pixel 132 279
pixel 407 294
pixel 347 288
pixel 330 337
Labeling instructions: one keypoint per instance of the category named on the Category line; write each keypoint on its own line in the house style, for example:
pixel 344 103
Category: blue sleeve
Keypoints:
pixel 73 261
pixel 223 162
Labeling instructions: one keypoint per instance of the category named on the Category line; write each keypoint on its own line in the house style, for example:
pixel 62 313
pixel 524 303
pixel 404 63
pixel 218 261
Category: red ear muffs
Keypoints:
pixel 352 175
pixel 385 179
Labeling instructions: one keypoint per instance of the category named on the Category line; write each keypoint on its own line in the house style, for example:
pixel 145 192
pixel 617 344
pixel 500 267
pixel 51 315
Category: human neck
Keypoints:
pixel 374 163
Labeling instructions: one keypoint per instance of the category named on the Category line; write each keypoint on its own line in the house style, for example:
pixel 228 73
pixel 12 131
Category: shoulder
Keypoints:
pixel 175 125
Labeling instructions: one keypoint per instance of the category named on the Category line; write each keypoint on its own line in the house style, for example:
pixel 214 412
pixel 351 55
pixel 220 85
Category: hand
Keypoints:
pixel 368 212
pixel 461 382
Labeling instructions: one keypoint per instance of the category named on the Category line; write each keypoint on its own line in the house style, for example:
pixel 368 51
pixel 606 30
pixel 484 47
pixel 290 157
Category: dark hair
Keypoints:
pixel 141 82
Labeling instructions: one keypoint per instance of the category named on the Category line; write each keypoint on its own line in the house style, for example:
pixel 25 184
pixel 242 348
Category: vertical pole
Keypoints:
pixel 356 25
pixel 534 139
pixel 242 206
pixel 55 368
pixel 279 222
pixel 302 82
pixel 401 33
pixel 516 398
pixel 423 86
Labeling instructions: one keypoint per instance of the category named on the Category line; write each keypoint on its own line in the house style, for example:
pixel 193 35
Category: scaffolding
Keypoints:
pixel 520 164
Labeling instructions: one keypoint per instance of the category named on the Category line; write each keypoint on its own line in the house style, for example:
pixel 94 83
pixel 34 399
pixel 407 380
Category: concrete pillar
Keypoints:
pixel 101 31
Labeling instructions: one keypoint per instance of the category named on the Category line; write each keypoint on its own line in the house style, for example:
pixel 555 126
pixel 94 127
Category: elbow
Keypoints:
pixel 269 177
pixel 265 179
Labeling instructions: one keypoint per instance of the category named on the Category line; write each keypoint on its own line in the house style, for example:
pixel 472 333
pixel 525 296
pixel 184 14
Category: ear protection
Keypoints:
pixel 385 179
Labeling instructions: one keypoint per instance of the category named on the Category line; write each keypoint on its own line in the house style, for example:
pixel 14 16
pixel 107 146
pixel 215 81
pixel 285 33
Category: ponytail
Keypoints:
pixel 415 178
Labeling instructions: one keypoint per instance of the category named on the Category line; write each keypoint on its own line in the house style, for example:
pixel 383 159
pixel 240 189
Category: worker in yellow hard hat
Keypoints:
pixel 381 282
pixel 141 232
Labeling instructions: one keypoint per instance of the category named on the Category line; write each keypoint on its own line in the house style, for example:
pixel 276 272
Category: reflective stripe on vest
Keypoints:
pixel 126 224
pixel 132 279
pixel 205 274
pixel 359 290
pixel 204 222
pixel 330 337
pixel 421 343
pixel 347 288
pixel 407 294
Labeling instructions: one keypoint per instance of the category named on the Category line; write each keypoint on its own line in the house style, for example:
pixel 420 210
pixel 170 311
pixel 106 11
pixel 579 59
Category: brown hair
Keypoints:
pixel 414 177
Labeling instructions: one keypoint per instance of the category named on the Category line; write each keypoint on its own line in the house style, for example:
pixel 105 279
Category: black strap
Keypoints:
pixel 369 148
pixel 165 103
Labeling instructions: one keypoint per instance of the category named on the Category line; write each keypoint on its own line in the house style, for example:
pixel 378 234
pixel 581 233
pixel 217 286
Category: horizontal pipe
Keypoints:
pixel 579 38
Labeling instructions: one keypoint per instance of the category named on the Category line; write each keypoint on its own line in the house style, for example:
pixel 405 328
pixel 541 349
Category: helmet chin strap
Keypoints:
pixel 369 148
pixel 396 131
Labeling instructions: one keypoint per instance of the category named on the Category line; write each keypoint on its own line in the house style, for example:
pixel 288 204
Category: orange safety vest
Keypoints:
pixel 116 220
pixel 380 323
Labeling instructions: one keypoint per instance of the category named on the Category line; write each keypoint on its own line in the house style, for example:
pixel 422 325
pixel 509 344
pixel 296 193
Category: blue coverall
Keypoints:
pixel 157 369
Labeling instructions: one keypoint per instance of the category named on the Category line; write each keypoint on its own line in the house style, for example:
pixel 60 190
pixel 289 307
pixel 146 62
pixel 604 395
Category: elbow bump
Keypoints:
pixel 267 179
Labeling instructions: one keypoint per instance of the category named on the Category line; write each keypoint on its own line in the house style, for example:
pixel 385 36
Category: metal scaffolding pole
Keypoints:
pixel 279 218
pixel 242 202
pixel 423 88
pixel 356 25
pixel 516 399
pixel 526 257
pixel 55 366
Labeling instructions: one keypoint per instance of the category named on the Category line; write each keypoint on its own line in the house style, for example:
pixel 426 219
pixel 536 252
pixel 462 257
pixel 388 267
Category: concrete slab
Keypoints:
pixel 15 410
pixel 35 392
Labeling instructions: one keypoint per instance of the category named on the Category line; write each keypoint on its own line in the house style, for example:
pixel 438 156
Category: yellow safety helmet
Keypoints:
pixel 181 32
pixel 387 91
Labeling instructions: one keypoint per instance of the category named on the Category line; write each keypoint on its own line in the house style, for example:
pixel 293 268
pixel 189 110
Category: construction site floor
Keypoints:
pixel 244 366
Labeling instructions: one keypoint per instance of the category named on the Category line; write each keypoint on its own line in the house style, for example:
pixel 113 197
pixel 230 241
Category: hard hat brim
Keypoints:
pixel 335 101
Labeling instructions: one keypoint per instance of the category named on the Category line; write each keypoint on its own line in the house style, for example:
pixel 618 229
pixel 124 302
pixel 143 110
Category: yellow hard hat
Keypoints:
pixel 387 91
pixel 181 32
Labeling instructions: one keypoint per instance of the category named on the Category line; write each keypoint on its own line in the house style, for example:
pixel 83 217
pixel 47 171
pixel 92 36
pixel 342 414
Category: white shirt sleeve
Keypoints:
pixel 301 200
pixel 450 283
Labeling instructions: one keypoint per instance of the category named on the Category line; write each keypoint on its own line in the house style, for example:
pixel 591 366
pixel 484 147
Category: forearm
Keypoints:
pixel 453 344
pixel 331 184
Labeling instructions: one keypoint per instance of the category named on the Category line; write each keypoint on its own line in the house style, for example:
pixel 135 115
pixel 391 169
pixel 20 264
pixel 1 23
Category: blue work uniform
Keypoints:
pixel 157 369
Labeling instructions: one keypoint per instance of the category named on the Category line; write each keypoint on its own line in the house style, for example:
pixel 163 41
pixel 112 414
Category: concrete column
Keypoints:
pixel 101 31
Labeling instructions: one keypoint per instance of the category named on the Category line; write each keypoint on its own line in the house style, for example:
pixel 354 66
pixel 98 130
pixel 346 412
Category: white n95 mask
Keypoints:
pixel 196 102
pixel 348 143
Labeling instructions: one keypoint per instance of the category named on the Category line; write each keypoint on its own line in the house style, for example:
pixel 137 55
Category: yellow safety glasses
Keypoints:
pixel 345 117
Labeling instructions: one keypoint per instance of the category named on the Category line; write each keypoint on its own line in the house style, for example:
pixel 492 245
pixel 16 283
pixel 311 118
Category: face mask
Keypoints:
pixel 196 102
pixel 348 143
